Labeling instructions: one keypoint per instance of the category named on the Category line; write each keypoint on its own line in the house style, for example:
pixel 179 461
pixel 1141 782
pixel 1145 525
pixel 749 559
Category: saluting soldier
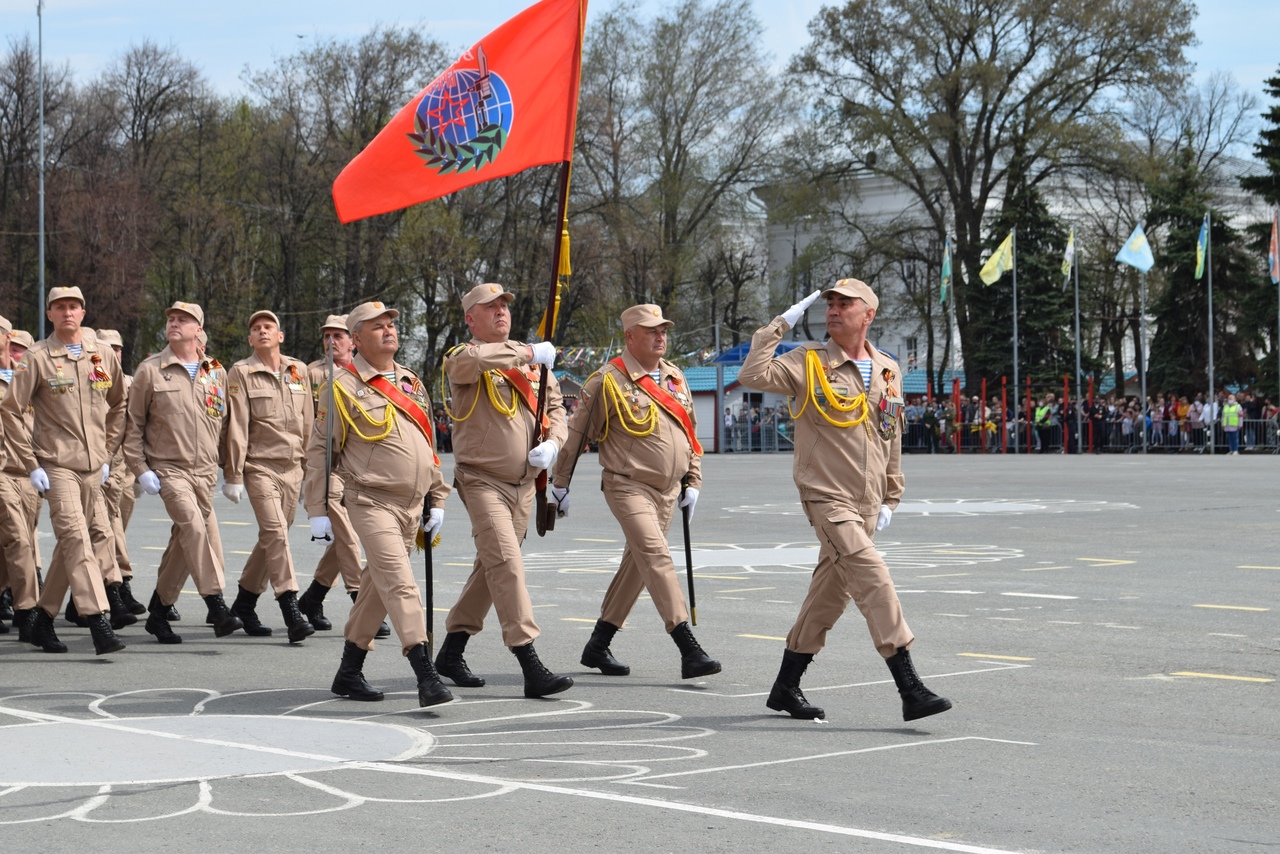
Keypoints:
pixel 383 449
pixel 644 421
pixel 494 385
pixel 118 491
pixel 268 423
pixel 177 412
pixel 342 556
pixel 19 506
pixel 847 468
pixel 75 387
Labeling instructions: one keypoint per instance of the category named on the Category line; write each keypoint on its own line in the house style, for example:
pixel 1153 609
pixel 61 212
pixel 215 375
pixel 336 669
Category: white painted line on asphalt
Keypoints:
pixel 996 666
pixel 1040 595
pixel 957 592
pixel 1225 635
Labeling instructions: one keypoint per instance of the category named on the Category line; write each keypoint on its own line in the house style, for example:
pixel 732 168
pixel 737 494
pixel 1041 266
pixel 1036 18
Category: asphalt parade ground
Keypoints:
pixel 1107 628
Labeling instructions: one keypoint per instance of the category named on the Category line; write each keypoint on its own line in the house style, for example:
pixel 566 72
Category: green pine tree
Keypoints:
pixel 1260 305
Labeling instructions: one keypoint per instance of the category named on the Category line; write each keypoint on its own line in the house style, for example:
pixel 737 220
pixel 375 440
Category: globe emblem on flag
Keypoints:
pixel 463 120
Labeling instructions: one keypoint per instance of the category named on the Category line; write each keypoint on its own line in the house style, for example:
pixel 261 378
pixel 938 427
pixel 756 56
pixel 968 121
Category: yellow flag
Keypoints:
pixel 1000 262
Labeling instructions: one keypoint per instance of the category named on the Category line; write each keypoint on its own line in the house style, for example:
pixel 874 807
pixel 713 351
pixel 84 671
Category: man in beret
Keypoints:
pixel 848 449
pixel 493 382
pixel 177 413
pixel 645 423
pixel 75 387
pixel 383 451
pixel 268 423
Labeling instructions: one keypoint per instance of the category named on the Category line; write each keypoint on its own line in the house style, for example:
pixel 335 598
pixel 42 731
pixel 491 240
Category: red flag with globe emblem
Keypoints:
pixel 507 104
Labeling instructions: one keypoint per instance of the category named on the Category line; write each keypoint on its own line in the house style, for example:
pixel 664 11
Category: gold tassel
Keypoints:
pixel 566 269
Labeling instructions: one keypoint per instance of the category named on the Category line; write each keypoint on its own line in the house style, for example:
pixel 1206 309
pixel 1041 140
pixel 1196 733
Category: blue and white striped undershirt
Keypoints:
pixel 864 368
pixel 6 374
pixel 75 349
pixel 191 367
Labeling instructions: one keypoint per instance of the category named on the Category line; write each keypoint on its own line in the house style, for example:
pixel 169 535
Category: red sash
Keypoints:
pixel 524 388
pixel 402 402
pixel 668 403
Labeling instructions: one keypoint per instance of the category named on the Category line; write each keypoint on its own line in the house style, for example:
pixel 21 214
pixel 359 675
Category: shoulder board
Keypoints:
pixel 887 355
pixel 455 349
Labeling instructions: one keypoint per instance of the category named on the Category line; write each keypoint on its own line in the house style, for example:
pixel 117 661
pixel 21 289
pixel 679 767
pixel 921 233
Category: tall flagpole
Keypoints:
pixel 1142 315
pixel 1208 264
pixel 40 170
pixel 1013 233
pixel 1075 264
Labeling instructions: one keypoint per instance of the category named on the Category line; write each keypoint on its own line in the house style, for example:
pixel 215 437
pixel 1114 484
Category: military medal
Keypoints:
pixel 98 378
pixel 60 384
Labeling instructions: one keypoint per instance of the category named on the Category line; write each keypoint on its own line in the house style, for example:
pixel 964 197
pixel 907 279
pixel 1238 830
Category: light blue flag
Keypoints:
pixel 1137 251
pixel 946 270
pixel 1202 247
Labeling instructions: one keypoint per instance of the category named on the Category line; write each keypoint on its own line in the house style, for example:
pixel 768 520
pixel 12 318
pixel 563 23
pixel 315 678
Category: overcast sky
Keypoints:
pixel 222 38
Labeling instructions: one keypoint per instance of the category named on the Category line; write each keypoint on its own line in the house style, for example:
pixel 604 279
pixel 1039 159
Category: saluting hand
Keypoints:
pixel 792 315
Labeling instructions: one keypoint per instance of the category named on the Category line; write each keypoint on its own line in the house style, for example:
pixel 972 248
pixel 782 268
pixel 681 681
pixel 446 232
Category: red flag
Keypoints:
pixel 1273 256
pixel 507 104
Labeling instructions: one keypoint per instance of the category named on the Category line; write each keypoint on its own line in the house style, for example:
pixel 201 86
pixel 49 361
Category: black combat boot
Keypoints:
pixel 538 680
pixel 224 622
pixel 450 663
pixel 72 615
pixel 121 616
pixel 311 604
pixel 171 614
pixel 384 630
pixel 4 629
pixel 126 594
pixel 350 681
pixel 597 653
pixel 104 640
pixel 158 621
pixel 917 700
pixel 431 691
pixel 6 604
pixel 693 661
pixel 786 695
pixel 22 622
pixel 299 627
pixel 42 633
pixel 245 607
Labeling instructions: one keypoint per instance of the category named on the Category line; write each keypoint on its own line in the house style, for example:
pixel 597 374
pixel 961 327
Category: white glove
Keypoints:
pixel 544 456
pixel 690 500
pixel 792 315
pixel 106 471
pixel 434 521
pixel 150 483
pixel 40 480
pixel 321 528
pixel 544 353
pixel 886 516
pixel 560 496
pixel 233 491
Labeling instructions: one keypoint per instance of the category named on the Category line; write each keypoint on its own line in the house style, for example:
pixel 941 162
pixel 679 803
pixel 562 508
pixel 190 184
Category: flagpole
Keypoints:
pixel 1208 264
pixel 40 131
pixel 1075 264
pixel 1013 233
pixel 1142 320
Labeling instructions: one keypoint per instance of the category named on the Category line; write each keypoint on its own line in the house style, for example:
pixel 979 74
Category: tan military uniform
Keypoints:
pixel 388 466
pixel 118 491
pixel 343 554
pixel 175 427
pixel 78 415
pixel 844 475
pixel 268 422
pixel 495 481
pixel 19 511
pixel 641 483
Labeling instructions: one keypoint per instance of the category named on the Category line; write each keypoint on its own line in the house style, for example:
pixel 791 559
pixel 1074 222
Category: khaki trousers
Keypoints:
pixel 848 568
pixel 645 515
pixel 499 521
pixel 19 507
pixel 118 491
pixel 274 496
pixel 343 554
pixel 72 498
pixel 195 547
pixel 104 553
pixel 387 586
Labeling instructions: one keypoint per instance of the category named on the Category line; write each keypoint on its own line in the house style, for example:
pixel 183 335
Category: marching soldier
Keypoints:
pixel 494 386
pixel 19 505
pixel 848 448
pixel 118 492
pixel 74 385
pixel 383 449
pixel 648 443
pixel 177 412
pixel 342 556
pixel 269 420
pixel 19 343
